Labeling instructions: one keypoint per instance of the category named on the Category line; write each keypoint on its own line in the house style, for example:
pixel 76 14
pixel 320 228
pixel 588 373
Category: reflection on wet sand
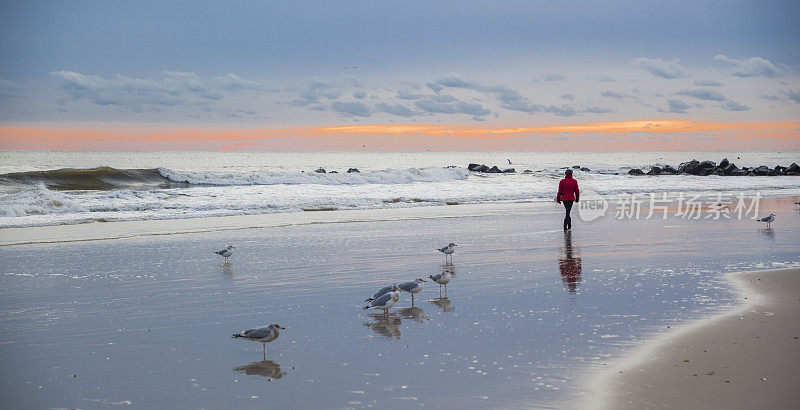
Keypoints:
pixel 414 313
pixel 443 303
pixel 570 265
pixel 265 368
pixel 385 325
pixel 768 232
pixel 227 269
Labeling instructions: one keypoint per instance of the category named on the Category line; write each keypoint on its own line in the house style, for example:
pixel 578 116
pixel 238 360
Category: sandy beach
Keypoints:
pixel 743 359
pixel 141 313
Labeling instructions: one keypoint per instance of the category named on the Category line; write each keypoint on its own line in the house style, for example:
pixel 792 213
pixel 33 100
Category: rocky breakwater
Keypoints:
pixel 493 170
pixel 724 168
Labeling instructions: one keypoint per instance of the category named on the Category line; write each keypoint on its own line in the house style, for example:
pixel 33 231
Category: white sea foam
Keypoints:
pixel 219 185
pixel 389 176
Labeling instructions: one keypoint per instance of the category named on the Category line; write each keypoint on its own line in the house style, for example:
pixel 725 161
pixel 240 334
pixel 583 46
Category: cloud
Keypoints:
pixel 703 94
pixel 554 77
pixel 569 97
pixel 598 110
pixel 794 96
pixel 707 83
pixel 360 94
pixel 396 109
pixel 660 68
pixel 353 108
pixel 676 106
pixel 605 79
pixel 614 94
pixel 734 106
pixel 458 107
pixel 752 67
pixel 408 95
pixel 172 88
pixel 313 92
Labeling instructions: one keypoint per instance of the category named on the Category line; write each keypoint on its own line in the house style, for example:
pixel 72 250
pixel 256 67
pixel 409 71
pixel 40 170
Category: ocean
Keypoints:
pixel 40 188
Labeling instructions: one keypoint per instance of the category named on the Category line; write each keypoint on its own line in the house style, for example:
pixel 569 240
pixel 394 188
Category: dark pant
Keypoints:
pixel 567 219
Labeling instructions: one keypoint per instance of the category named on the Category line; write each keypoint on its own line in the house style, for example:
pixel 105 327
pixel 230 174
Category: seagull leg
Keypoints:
pixel 265 350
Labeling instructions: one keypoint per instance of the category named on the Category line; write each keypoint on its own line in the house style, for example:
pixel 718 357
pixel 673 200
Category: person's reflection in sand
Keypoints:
pixel 443 303
pixel 265 368
pixel 570 265
pixel 385 325
pixel 414 313
pixel 768 232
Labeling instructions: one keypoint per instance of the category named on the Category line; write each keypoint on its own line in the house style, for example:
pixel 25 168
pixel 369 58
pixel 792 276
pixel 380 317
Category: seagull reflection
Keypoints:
pixel 265 368
pixel 449 267
pixel 414 313
pixel 570 265
pixel 768 232
pixel 443 303
pixel 227 269
pixel 385 325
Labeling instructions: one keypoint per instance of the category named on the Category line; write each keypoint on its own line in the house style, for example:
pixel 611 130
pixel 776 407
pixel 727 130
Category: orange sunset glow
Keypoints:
pixel 619 135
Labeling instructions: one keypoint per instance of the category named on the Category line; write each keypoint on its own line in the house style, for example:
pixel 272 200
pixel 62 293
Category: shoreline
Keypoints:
pixel 741 358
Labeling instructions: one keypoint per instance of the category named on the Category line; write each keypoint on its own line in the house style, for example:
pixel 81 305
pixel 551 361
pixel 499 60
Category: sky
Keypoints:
pixel 400 75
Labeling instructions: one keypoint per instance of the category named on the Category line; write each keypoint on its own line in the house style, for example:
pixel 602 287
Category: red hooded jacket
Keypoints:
pixel 568 190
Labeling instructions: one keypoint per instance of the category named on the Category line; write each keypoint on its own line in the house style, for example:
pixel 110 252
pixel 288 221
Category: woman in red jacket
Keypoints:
pixel 568 193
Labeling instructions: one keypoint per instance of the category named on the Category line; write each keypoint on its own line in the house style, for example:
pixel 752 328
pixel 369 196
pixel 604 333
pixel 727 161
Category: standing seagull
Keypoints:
pixel 384 290
pixel 262 334
pixel 442 279
pixel 448 250
pixel 412 287
pixel 768 219
pixel 385 301
pixel 227 252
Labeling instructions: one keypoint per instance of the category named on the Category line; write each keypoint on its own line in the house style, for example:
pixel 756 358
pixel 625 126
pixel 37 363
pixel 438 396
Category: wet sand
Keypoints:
pixel 145 320
pixel 746 358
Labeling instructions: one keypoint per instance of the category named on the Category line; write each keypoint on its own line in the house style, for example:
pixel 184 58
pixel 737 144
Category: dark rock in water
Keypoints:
pixel 779 170
pixel 668 170
pixel 576 167
pixel 724 163
pixel 320 171
pixel 718 171
pixel 691 167
pixel 708 165
pixel 762 170
pixel 353 170
pixel 333 172
pixel 654 170
pixel 494 170
pixel 527 171
pixel 584 169
pixel 509 171
pixel 794 169
pixel 635 171
pixel 737 173
pixel 751 174
pixel 705 171
pixel 728 168
pixel 478 168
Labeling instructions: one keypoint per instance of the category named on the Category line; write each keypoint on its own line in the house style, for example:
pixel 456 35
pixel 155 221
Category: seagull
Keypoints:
pixel 227 252
pixel 384 290
pixel 385 301
pixel 768 219
pixel 448 250
pixel 262 334
pixel 442 279
pixel 412 287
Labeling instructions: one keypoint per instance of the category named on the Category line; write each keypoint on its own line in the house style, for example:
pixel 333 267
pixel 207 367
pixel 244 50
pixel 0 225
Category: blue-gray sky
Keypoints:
pixel 336 62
